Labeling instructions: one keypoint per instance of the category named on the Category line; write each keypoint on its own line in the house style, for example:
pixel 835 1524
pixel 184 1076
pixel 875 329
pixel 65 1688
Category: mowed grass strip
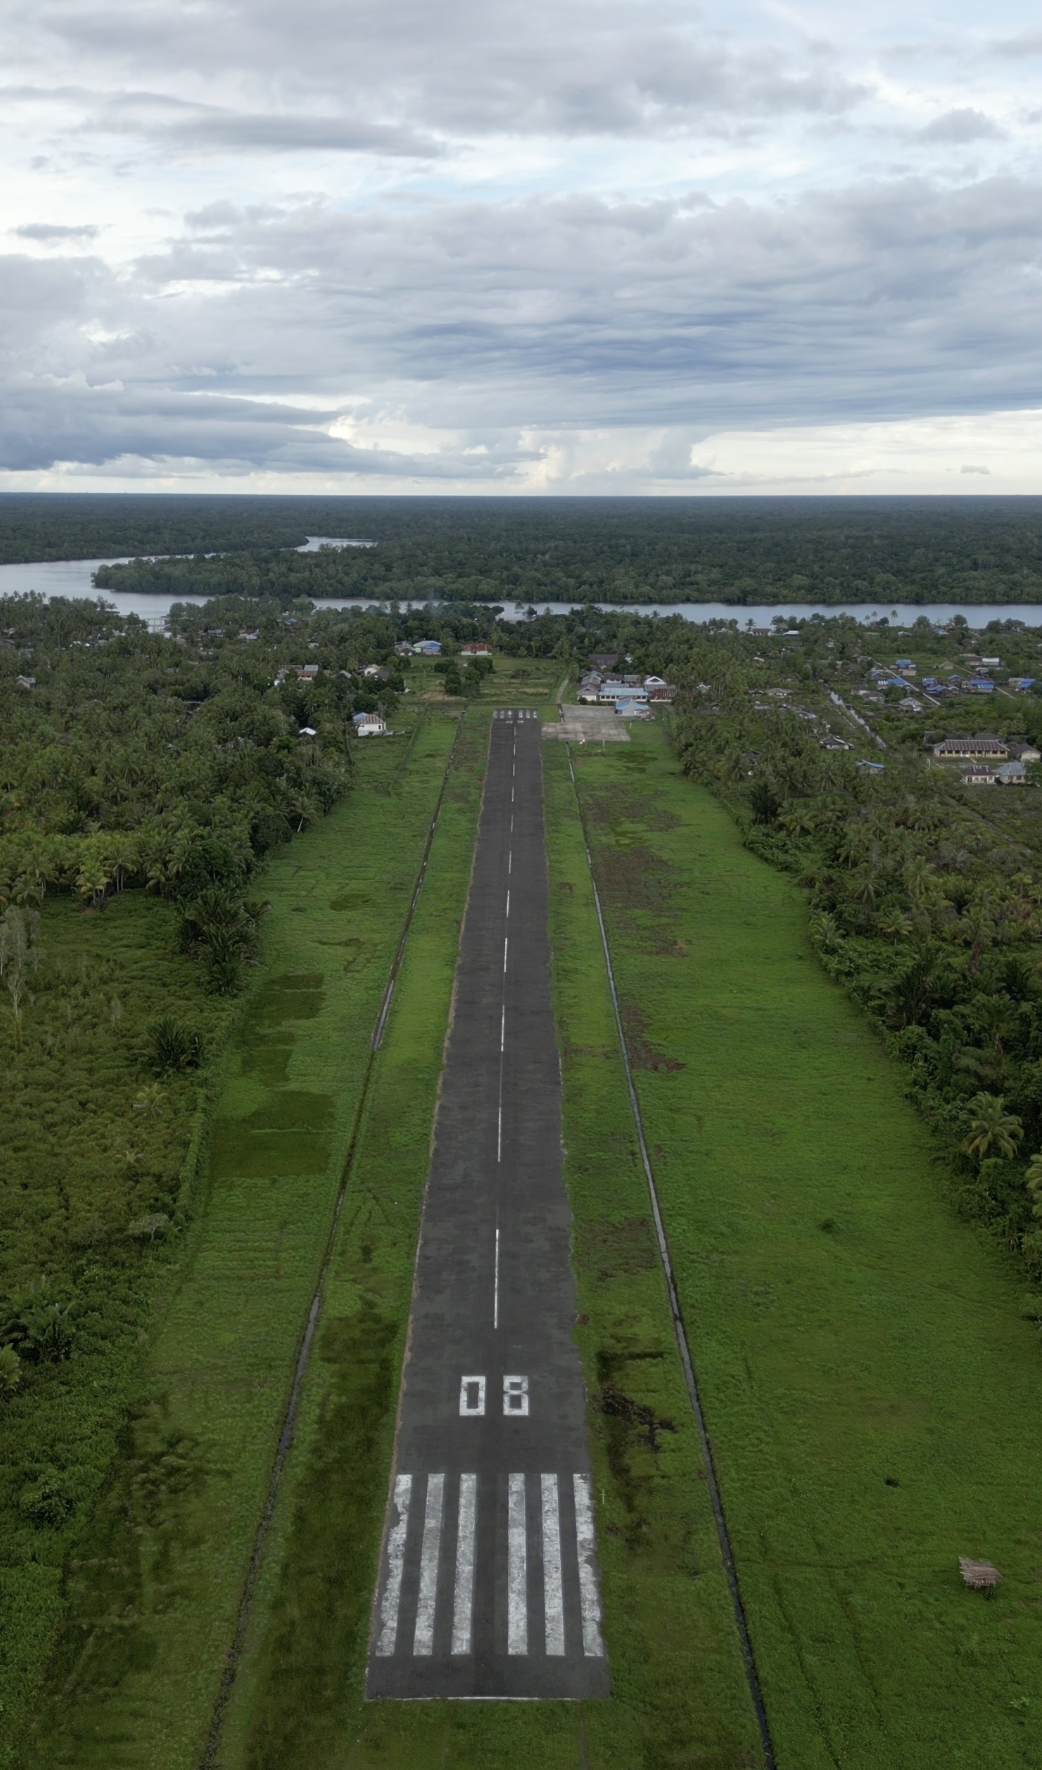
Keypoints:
pixel 679 1692
pixel 156 1583
pixel 871 1388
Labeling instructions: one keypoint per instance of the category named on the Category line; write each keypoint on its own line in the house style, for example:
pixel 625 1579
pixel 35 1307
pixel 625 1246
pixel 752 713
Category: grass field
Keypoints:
pixel 155 1583
pixel 679 1690
pixel 871 1386
pixel 83 1173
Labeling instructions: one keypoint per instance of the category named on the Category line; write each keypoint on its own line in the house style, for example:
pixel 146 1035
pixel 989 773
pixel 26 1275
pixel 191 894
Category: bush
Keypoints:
pixel 172 1046
pixel 46 1502
pixel 37 1325
pixel 10 1370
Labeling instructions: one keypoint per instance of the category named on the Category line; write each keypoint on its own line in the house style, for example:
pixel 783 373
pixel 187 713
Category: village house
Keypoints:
pixel 984 747
pixel 303 672
pixel 427 648
pixel 368 724
pixel 476 648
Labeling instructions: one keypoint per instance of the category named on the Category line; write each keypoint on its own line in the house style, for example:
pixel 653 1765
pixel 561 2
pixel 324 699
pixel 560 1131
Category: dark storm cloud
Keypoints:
pixel 877 302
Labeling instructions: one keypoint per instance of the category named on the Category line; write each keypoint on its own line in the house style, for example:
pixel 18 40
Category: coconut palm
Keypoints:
pixel 1033 1181
pixel 991 1130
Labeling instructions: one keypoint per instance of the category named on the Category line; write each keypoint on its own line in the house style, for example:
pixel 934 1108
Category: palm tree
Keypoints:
pixel 990 1128
pixel 1033 1181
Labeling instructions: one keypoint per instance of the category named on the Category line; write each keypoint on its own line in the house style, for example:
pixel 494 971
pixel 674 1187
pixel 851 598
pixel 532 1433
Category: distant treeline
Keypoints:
pixel 537 550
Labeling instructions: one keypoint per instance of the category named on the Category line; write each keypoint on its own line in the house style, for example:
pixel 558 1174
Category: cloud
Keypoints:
pixel 965 469
pixel 1018 48
pixel 48 234
pixel 959 126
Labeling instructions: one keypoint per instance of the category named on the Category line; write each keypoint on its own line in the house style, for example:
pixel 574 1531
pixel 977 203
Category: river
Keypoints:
pixel 72 577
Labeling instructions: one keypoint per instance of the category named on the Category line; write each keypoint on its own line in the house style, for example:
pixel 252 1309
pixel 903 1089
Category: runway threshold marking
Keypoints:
pixel 488 1579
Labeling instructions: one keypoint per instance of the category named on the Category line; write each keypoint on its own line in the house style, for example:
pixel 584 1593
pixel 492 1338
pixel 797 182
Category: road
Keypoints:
pixel 488 1582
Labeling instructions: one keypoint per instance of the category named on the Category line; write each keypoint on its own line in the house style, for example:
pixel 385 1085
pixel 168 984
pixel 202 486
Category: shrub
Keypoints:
pixel 10 1371
pixel 37 1325
pixel 172 1046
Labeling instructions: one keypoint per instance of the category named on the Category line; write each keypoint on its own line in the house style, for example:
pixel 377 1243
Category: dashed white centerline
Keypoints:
pixel 395 1563
pixel 503 1032
pixel 508 903
pixel 423 1640
pixel 517 1567
pixel 553 1586
pixel 506 943
pixel 463 1601
pixel 495 1285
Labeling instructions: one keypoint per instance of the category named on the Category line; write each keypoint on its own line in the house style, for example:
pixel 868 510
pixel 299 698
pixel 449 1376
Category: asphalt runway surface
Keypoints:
pixel 488 1583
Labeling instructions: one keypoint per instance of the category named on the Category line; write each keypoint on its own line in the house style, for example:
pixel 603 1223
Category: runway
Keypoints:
pixel 488 1583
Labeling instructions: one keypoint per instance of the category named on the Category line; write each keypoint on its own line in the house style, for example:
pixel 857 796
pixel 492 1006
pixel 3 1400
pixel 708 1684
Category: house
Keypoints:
pixel 830 742
pixel 905 664
pixel 589 689
pixel 26 681
pixel 427 648
pixel 378 671
pixel 248 636
pixel 910 704
pixel 977 775
pixel 979 685
pixel 368 725
pixel 403 649
pixel 622 691
pixel 1024 753
pixel 1011 774
pixel 872 767
pixel 632 709
pixel 663 691
pixel 308 731
pixel 985 747
pixel 476 648
pixel 1021 684
pixel 303 672
pixel 991 663
pixel 603 660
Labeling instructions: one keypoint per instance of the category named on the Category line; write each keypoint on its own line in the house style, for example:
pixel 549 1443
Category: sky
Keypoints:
pixel 521 247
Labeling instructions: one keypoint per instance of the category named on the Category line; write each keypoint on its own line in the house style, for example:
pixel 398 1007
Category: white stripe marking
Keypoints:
pixel 463 1602
pixel 495 1289
pixel 508 903
pixel 589 1598
pixel 423 1641
pixel 503 1031
pixel 395 1562
pixel 499 1137
pixel 517 1568
pixel 553 1587
pixel 506 943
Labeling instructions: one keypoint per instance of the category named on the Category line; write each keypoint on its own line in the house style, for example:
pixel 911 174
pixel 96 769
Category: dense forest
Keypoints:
pixel 533 550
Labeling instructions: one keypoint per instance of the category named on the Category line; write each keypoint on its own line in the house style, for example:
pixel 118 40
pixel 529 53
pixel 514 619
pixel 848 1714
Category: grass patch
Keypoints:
pixel 154 1585
pixel 870 1386
pixel 679 1688
pixel 97 1165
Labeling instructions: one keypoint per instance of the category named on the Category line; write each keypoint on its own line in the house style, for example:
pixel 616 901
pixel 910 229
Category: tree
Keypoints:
pixel 990 1129
pixel 1033 1182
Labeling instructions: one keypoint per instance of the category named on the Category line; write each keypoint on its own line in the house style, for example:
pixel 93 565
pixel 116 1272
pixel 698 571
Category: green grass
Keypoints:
pixel 871 1387
pixel 154 1587
pixel 79 1166
pixel 678 1682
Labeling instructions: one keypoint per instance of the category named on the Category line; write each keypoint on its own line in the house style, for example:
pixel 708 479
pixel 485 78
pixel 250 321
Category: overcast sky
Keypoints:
pixel 523 245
